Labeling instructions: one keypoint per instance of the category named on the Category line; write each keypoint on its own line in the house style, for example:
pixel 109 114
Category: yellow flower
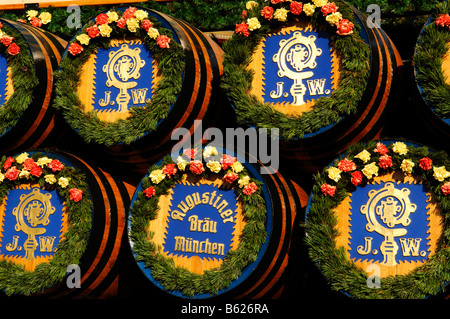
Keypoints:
pixel 334 173
pixel 153 33
pixel 209 151
pixel 157 176
pixel 181 163
pixel 400 148
pixel 320 3
pixel 244 181
pixel 253 24
pixel 105 30
pixel 141 15
pixel 63 182
pixel 132 24
pixel 334 18
pixel 31 14
pixel 250 5
pixel 280 14
pixel 237 167
pixel 24 174
pixel 50 178
pixel 363 156
pixel 112 16
pixel 308 9
pixel 440 173
pixel 214 166
pixel 2 177
pixel 83 38
pixel 45 17
pixel 43 161
pixel 21 158
pixel 370 170
pixel 407 166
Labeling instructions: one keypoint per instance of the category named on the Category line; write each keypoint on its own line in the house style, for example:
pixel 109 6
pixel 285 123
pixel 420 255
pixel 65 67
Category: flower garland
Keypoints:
pixel 49 173
pixel 359 165
pixel 8 42
pixel 163 177
pixel 259 21
pixel 97 34
pixel 428 56
pixel 36 19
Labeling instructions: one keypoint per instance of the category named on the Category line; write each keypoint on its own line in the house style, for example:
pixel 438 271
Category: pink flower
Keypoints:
pixel 328 190
pixel 169 170
pixel 8 163
pixel 55 165
pixel 13 49
pixel 227 161
pixel 75 48
pixel 230 177
pixel 150 192
pixel 102 18
pixel 75 194
pixel 328 8
pixel 357 178
pixel 242 28
pixel 381 148
pixel 196 167
pixel 425 163
pixel 344 27
pixel 12 173
pixel 267 12
pixel 346 165
pixel 146 24
pixel 443 20
pixel 249 189
pixel 296 7
pixel 190 152
pixel 385 161
pixel 163 41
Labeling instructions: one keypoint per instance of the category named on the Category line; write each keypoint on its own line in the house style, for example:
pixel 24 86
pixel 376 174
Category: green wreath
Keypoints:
pixel 356 168
pixel 24 78
pixel 165 51
pixel 163 177
pixel 327 110
pixel 50 174
pixel 431 48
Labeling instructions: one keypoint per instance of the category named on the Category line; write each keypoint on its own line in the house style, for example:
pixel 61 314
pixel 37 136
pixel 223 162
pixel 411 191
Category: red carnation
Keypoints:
pixel 55 165
pixel 230 177
pixel 121 23
pixel 425 163
pixel 250 188
pixel 267 12
pixel 443 20
pixel 346 165
pixel 196 167
pixel 30 165
pixel 6 40
pixel 169 170
pixel 328 8
pixel 344 27
pixel 75 194
pixel 146 24
pixel 36 171
pixel 129 13
pixel 93 31
pixel 227 161
pixel 163 41
pixel 75 48
pixel 150 192
pixel 190 152
pixel 36 22
pixel 12 173
pixel 13 49
pixel 8 163
pixel 242 28
pixel 328 190
pixel 381 148
pixel 244 14
pixel 102 18
pixel 385 161
pixel 357 178
pixel 296 7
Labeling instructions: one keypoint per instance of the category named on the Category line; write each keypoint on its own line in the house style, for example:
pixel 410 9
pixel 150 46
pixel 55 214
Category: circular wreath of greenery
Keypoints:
pixel 142 119
pixel 327 110
pixel 432 46
pixel 163 177
pixel 336 182
pixel 69 183
pixel 24 79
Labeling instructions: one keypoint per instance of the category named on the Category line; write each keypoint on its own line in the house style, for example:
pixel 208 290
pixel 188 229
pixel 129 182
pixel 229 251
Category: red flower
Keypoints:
pixel 129 13
pixel 242 28
pixel 75 48
pixel 8 163
pixel 6 40
pixel 30 165
pixel 1 25
pixel 346 165
pixel 328 190
pixel 244 14
pixel 250 188
pixel 12 173
pixel 146 24
pixel 443 20
pixel 267 12
pixel 36 22
pixel 93 31
pixel 121 23
pixel 75 194
pixel 102 18
pixel 196 167
pixel 296 7
pixel 150 192
pixel 357 178
pixel 13 49
pixel 55 165
pixel 227 161
pixel 163 41
pixel 385 161
pixel 230 177
pixel 381 148
pixel 328 8
pixel 425 163
pixel 169 170
pixel 344 27
pixel 191 152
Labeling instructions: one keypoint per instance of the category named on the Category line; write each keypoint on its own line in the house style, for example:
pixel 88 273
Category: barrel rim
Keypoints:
pixel 323 204
pixel 258 228
pixel 142 120
pixel 322 116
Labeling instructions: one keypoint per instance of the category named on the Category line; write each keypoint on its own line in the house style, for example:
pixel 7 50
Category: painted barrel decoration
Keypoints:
pixel 62 226
pixel 223 234
pixel 430 79
pixel 376 221
pixel 139 74
pixel 324 76
pixel 27 62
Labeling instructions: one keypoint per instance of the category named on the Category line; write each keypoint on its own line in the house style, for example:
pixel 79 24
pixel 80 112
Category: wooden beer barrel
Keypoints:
pixel 27 120
pixel 376 221
pixel 216 239
pixel 62 227
pixel 130 115
pixel 324 84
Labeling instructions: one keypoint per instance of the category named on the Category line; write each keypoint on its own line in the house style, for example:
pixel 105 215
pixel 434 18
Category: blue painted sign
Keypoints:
pixel 3 79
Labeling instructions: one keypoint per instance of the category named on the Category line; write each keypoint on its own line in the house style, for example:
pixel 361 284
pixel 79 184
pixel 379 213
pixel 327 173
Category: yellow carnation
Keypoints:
pixel 280 14
pixel 253 24
pixel 50 179
pixel 334 18
pixel 2 177
pixel 181 163
pixel 370 170
pixel 157 176
pixel 63 182
pixel 83 38
pixel 24 174
pixel 251 4
pixel 45 17
pixel 320 3
pixel 363 156
pixel 105 30
pixel 43 161
pixel 244 181
pixel 400 148
pixel 334 173
pixel 31 14
pixel 237 167
pixel 112 16
pixel 141 14
pixel 440 173
pixel 153 33
pixel 407 166
pixel 309 9
pixel 132 24
pixel 21 158
pixel 214 166
pixel 209 151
